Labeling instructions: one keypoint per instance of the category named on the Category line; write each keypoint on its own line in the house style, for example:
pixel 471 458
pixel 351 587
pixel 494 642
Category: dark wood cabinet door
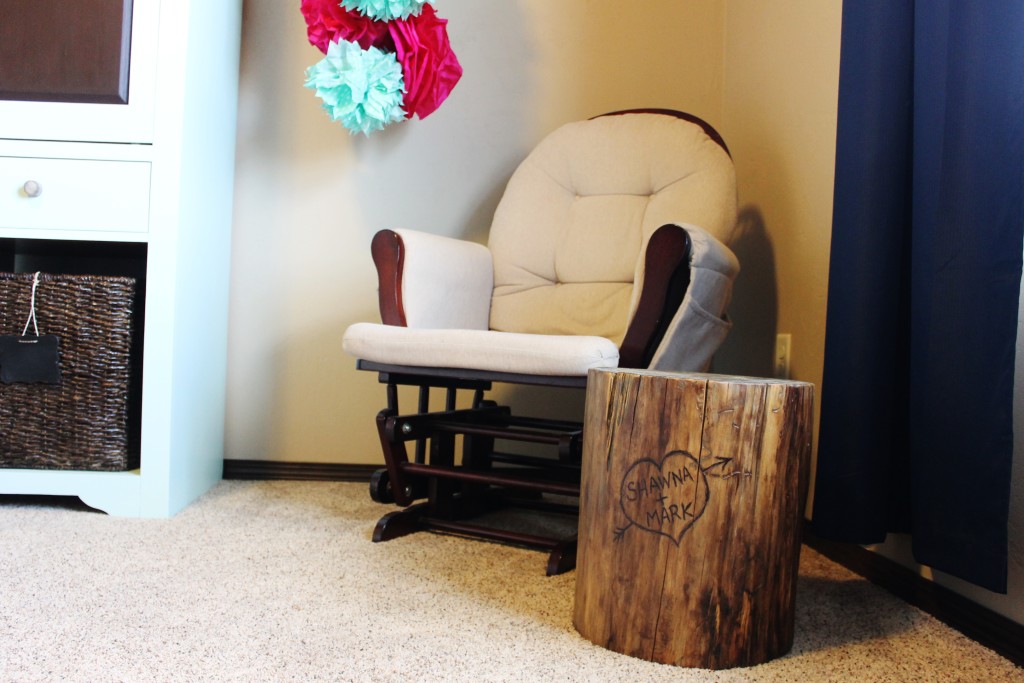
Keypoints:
pixel 65 50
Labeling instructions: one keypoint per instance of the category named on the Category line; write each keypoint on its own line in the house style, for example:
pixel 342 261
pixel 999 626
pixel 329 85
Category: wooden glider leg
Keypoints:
pixel 563 557
pixel 401 523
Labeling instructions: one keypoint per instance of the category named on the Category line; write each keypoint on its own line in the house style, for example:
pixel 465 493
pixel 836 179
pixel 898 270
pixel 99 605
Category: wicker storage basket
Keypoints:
pixel 81 423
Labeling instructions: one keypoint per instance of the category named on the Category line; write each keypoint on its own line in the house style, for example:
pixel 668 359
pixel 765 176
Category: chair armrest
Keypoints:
pixel 666 277
pixel 431 281
pixel 700 324
pixel 680 318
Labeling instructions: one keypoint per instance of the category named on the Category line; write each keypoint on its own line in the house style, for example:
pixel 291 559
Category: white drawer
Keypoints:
pixel 74 194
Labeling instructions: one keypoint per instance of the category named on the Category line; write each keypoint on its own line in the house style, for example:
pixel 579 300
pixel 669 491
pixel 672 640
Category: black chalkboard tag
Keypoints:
pixel 29 359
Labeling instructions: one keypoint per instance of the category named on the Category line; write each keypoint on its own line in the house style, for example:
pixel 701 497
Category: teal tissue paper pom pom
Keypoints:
pixel 363 89
pixel 385 10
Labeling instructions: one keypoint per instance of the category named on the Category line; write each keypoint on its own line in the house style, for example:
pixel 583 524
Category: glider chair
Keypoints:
pixel 606 250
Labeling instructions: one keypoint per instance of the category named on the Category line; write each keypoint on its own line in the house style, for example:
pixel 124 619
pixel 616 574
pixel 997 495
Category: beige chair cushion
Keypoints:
pixel 509 352
pixel 567 245
pixel 440 264
pixel 576 215
pixel 446 283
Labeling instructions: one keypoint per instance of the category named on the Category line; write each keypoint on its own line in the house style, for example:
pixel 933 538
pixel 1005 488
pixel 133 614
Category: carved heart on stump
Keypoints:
pixel 665 497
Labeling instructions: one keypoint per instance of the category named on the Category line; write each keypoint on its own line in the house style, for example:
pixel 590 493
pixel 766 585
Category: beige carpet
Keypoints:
pixel 278 581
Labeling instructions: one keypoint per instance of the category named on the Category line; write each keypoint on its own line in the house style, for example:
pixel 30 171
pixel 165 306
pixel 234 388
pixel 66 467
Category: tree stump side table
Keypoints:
pixel 691 506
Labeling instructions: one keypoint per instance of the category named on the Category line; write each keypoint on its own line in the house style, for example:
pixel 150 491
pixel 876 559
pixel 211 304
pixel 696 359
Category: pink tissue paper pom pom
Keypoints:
pixel 429 66
pixel 328 22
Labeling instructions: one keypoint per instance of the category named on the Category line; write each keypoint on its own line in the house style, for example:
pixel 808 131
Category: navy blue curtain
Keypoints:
pixel 924 282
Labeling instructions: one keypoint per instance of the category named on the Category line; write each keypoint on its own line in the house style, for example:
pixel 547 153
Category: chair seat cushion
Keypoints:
pixel 530 354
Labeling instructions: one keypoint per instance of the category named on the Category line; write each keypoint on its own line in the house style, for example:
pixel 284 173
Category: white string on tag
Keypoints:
pixel 32 310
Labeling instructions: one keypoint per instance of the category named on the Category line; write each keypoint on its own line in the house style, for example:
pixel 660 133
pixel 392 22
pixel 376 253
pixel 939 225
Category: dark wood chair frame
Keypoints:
pixel 453 494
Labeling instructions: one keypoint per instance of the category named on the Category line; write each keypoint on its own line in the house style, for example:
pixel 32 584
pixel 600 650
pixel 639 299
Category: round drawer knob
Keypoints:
pixel 32 188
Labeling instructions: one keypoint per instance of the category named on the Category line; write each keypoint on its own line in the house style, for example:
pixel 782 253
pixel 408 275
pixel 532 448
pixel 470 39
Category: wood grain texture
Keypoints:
pixel 690 515
pixel 666 279
pixel 388 251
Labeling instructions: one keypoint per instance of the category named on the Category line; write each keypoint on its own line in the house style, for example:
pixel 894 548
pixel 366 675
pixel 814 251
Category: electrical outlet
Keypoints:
pixel 783 343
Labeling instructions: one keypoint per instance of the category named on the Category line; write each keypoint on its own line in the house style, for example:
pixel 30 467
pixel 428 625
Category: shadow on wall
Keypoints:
pixel 754 309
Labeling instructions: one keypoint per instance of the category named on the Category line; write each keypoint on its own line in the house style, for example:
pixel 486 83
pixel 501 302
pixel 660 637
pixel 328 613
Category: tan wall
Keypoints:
pixel 309 196
pixel 779 116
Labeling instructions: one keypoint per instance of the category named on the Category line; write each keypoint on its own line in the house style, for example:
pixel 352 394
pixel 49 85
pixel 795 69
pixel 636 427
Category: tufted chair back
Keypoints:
pixel 568 234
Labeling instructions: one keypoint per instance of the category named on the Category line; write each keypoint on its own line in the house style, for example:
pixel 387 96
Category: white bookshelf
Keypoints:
pixel 157 172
